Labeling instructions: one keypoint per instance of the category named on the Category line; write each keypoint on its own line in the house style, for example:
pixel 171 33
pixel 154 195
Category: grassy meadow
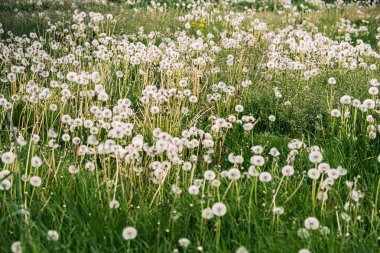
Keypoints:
pixel 189 126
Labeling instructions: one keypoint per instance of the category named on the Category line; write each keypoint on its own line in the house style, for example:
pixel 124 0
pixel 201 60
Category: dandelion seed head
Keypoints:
pixel 16 247
pixel 129 233
pixel 35 181
pixel 52 235
pixel 219 209
pixel 311 223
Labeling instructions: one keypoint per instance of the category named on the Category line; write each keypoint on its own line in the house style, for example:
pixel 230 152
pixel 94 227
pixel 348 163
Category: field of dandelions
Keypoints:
pixel 189 126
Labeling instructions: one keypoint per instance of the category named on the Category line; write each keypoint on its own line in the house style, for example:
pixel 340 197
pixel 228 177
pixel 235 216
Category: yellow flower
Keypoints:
pixel 200 24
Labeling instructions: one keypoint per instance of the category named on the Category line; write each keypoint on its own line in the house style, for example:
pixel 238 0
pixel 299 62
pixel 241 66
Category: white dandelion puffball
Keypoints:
pixel 5 185
pixel 278 210
pixel 184 242
pixel 36 162
pixel 242 249
pixel 8 157
pixel 335 113
pixel 239 108
pixel 52 235
pixel 265 177
pixel 311 223
pixel 35 181
pixel 257 160
pixel 73 169
pixel 287 170
pixel 209 175
pixel 234 174
pixel 315 157
pixel 219 209
pixel 207 213
pixel 303 233
pixel 331 80
pixel 114 204
pixel 193 190
pixel 16 247
pixel 129 233
pixel 313 174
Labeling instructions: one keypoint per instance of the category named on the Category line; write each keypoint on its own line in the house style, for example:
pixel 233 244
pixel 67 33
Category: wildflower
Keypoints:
pixel 322 195
pixel 311 223
pixel 193 99
pixel 114 204
pixel 35 181
pixel 5 185
pixel 265 177
pixel 331 80
pixel 303 233
pixel 16 247
pixel 73 169
pixel 257 160
pixel 186 166
pixel 129 233
pixel 356 103
pixel 345 100
pixel 252 171
pixel 324 230
pixel 184 242
pixel 287 170
pixel 345 217
pixel 154 110
pixel 278 210
pixel 36 162
pixel 234 174
pixel 335 113
pixel 35 138
pixel 355 195
pixel 373 91
pixel 65 137
pixel 257 149
pixel 323 167
pixel 274 152
pixel 198 182
pixel 209 175
pixel 53 107
pixel 52 235
pixel 369 104
pixel 90 166
pixel 176 189
pixel 207 213
pixel 215 183
pixel 219 209
pixel 242 249
pixel 183 82
pixel 239 108
pixel 8 157
pixel 333 174
pixel 315 157
pixel 342 171
pixel 272 118
pixel 72 77
pixel 193 190
pixel 76 141
pixel 313 174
